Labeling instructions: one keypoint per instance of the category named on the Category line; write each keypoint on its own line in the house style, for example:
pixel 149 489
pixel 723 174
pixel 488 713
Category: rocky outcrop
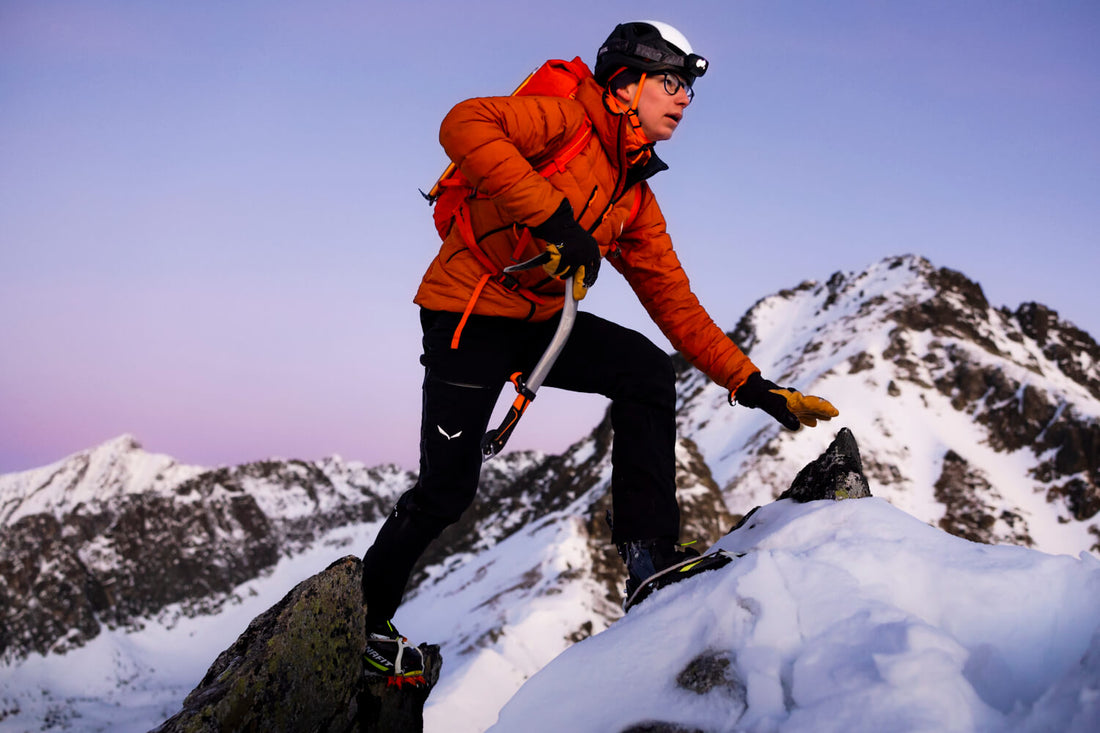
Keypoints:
pixel 975 510
pixel 1017 413
pixel 1064 344
pixel 835 474
pixel 907 334
pixel 298 668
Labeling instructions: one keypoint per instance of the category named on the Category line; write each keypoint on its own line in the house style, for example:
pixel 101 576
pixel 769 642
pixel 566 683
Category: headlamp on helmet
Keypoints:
pixel 648 45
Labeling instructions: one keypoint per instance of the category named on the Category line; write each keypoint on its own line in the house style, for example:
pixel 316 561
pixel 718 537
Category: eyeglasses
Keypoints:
pixel 674 84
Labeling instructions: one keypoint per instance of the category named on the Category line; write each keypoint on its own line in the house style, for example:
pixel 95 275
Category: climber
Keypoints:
pixel 482 325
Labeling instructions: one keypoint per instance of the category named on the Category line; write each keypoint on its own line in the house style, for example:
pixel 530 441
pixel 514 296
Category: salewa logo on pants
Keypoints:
pixel 445 435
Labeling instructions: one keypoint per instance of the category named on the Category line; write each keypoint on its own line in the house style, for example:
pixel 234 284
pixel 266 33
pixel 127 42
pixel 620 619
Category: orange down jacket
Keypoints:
pixel 493 141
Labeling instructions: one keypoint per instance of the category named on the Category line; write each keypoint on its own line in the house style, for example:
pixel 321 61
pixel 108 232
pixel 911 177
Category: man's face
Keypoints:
pixel 658 111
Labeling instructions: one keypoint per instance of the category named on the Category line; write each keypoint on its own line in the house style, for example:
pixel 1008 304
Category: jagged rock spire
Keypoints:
pixel 836 474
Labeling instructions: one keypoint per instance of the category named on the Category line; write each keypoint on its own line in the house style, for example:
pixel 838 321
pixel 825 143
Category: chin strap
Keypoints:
pixel 638 146
pixel 615 106
pixel 632 113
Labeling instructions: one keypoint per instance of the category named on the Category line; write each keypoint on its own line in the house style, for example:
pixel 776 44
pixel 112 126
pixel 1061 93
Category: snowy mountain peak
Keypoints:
pixel 973 418
pixel 898 299
pixel 89 478
pixel 111 536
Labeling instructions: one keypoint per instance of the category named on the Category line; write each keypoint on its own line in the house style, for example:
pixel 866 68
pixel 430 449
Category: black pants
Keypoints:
pixel 461 387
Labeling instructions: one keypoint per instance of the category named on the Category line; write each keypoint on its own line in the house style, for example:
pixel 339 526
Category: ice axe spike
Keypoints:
pixel 493 441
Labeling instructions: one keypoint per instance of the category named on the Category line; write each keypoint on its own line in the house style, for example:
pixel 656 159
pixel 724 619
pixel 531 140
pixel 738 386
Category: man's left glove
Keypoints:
pixel 572 252
pixel 789 406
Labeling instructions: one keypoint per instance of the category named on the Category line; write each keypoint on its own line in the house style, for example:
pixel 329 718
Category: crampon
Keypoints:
pixel 398 681
pixel 388 654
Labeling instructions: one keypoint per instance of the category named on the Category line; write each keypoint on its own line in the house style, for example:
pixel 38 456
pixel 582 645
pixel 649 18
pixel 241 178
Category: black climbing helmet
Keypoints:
pixel 648 45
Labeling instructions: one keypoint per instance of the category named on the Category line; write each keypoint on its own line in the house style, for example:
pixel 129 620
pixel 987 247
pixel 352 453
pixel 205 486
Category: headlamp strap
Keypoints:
pixel 692 64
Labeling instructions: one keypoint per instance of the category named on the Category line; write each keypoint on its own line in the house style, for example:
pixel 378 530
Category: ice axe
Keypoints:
pixel 493 441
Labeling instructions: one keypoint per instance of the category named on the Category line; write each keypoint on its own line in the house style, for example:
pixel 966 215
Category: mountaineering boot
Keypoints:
pixel 646 558
pixel 388 654
pixel 653 564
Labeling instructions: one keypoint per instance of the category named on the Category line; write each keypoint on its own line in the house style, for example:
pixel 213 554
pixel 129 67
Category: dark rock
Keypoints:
pixel 861 362
pixel 298 667
pixel 710 672
pixel 1082 499
pixel 970 502
pixel 48 598
pixel 958 309
pixel 118 565
pixel 1063 343
pixel 835 474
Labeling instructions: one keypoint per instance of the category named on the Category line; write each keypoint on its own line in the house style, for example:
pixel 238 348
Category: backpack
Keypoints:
pixel 451 193
pixel 555 78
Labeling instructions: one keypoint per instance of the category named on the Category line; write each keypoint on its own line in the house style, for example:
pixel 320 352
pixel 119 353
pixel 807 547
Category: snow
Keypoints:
pixel 844 616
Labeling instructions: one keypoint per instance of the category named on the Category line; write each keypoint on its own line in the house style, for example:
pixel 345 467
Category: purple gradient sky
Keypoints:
pixel 210 230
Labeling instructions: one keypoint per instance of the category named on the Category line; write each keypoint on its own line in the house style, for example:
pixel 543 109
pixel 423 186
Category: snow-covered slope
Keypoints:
pixel 841 616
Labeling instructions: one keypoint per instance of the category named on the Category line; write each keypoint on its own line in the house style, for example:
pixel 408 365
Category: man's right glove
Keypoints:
pixel 789 406
pixel 572 252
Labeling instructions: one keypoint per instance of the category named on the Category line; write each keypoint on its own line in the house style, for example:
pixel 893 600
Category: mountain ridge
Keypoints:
pixel 905 341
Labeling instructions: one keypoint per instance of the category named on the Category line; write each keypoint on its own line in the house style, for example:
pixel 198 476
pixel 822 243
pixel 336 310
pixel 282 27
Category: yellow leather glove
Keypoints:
pixel 554 266
pixel 789 406
pixel 807 408
pixel 573 253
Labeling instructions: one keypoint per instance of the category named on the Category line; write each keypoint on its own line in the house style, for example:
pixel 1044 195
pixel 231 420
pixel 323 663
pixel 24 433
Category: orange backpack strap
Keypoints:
pixel 469 309
pixel 571 150
pixel 499 276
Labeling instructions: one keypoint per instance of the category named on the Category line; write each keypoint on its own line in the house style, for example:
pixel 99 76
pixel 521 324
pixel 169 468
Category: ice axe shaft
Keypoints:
pixel 493 441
